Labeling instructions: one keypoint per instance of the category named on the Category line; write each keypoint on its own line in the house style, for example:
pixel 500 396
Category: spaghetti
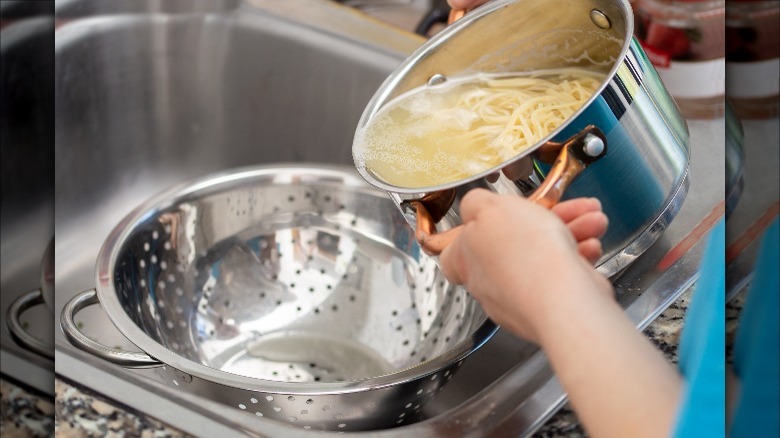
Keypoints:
pixel 439 134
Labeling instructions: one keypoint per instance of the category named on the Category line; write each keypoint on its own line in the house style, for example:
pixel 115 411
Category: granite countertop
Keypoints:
pixel 24 413
pixel 79 412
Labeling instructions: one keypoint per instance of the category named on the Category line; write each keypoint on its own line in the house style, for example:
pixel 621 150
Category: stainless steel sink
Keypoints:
pixel 27 212
pixel 148 97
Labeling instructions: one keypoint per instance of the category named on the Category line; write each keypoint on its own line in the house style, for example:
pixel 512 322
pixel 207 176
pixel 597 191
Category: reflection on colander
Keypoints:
pixel 290 281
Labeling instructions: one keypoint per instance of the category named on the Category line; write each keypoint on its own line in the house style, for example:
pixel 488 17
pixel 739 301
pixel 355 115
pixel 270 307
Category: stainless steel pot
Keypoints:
pixel 295 293
pixel 640 179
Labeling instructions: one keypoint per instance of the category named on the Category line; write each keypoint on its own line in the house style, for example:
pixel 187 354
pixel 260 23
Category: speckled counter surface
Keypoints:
pixel 24 414
pixel 81 413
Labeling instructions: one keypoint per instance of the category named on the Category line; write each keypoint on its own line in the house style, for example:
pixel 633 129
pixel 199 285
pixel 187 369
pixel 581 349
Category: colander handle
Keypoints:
pixel 575 155
pixel 12 318
pixel 78 339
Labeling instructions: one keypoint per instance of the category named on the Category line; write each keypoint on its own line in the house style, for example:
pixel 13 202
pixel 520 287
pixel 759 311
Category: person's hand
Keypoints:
pixel 517 258
pixel 587 223
pixel 465 4
pixel 525 266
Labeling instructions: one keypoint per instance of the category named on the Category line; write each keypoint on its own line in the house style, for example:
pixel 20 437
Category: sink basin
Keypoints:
pixel 27 210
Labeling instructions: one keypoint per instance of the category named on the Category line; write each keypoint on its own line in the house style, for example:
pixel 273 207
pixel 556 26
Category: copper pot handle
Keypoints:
pixel 575 155
pixel 456 14
pixel 440 12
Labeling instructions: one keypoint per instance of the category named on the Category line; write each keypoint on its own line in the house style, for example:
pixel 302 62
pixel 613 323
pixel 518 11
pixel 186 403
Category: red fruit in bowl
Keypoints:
pixel 668 39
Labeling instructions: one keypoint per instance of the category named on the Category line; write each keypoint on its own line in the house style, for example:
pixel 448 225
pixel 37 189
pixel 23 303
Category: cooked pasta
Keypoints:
pixel 438 134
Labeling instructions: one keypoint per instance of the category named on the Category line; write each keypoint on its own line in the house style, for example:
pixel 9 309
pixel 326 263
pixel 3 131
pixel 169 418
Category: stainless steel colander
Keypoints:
pixel 290 292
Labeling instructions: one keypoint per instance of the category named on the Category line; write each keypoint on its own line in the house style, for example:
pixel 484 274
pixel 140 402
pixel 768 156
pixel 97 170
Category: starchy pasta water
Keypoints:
pixel 439 134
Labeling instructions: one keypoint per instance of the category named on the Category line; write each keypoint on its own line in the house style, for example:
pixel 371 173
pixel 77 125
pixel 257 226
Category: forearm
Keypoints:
pixel 618 382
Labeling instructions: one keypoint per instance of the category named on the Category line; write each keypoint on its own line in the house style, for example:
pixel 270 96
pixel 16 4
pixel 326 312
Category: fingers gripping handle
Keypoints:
pixel 576 154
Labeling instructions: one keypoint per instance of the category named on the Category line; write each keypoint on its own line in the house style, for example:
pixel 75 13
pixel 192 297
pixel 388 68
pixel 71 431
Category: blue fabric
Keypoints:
pixel 702 357
pixel 757 346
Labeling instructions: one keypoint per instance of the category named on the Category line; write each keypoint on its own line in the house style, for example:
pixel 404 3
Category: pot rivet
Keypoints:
pixel 599 19
pixel 437 79
pixel 594 146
